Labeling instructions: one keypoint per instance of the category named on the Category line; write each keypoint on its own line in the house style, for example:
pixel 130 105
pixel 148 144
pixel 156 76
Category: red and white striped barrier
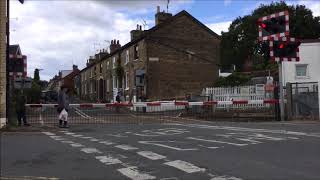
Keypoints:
pixel 163 104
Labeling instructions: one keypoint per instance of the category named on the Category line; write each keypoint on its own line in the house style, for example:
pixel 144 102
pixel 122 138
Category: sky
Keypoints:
pixel 57 34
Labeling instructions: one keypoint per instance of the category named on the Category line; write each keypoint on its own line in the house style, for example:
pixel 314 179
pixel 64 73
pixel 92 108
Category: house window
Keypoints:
pixel 114 82
pixel 127 80
pixel 108 85
pixel 127 56
pixel 136 52
pixel 91 87
pixel 114 62
pixel 301 70
pixel 100 67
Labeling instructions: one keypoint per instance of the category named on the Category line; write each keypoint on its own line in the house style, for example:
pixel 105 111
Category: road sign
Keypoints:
pixel 284 49
pixel 273 26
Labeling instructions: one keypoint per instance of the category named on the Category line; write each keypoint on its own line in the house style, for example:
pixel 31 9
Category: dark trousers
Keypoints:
pixel 22 115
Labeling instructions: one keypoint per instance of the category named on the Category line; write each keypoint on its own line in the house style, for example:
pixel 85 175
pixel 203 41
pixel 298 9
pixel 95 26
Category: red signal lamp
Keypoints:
pixel 281 46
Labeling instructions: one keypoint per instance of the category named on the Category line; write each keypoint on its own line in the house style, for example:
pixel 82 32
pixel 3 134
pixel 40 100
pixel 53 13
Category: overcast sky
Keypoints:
pixel 56 34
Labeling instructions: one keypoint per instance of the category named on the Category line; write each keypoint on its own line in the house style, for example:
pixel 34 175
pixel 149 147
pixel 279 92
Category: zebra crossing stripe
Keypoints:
pixel 126 147
pixel 185 166
pixel 151 155
pixel 108 160
pixel 106 142
pixel 90 150
pixel 76 145
pixel 133 173
pixel 48 133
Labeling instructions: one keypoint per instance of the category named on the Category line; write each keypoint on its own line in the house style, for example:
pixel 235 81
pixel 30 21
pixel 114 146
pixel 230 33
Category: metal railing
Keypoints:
pixel 153 112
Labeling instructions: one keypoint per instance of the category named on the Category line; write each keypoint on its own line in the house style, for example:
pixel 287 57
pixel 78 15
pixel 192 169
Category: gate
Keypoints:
pixel 303 100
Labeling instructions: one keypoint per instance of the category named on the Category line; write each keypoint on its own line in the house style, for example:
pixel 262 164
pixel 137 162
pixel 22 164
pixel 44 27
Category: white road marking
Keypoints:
pixel 116 135
pixel 249 140
pixel 108 160
pixel 126 147
pixel 77 145
pixel 106 142
pixel 210 147
pixel 156 143
pixel 293 138
pixel 69 133
pixel 151 155
pixel 77 135
pixel 231 128
pixel 85 137
pixel 185 166
pixel 214 141
pixel 68 142
pixel 48 133
pixel 134 174
pixel 224 178
pixel 90 150
pixel 94 139
pixel 57 138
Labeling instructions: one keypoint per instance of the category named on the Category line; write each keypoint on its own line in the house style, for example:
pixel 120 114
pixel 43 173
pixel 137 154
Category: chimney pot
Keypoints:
pixel 140 28
pixel 158 9
pixel 118 42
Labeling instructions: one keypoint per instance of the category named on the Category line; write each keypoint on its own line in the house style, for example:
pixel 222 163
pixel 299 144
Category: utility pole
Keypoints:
pixel 7 62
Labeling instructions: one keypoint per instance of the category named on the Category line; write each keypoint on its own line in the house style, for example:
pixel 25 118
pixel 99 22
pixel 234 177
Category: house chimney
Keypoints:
pixel 115 45
pixel 161 17
pixel 135 34
pixel 75 68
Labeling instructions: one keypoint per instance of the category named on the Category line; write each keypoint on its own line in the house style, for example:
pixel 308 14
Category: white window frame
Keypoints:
pixel 136 52
pixel 114 82
pixel 108 85
pixel 306 70
pixel 107 64
pixel 113 62
pixel 127 81
pixel 127 57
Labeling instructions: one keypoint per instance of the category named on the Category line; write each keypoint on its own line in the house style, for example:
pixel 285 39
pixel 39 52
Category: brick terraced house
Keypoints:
pixel 178 56
pixel 3 49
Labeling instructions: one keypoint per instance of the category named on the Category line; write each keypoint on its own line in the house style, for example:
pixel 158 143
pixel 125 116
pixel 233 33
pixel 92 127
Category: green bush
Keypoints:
pixel 235 79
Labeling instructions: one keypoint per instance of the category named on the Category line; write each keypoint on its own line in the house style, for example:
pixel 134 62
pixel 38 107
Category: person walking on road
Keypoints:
pixel 63 107
pixel 21 109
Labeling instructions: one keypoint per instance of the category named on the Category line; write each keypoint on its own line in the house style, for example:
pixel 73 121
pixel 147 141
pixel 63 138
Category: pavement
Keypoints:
pixel 184 150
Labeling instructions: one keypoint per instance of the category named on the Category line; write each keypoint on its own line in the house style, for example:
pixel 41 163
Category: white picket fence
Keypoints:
pixel 256 92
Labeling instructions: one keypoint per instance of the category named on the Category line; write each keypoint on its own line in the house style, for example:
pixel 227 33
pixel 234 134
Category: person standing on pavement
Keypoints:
pixel 63 107
pixel 21 109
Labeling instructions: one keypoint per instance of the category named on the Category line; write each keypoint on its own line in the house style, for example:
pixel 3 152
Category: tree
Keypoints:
pixel 240 43
pixel 36 76
pixel 34 93
pixel 235 79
